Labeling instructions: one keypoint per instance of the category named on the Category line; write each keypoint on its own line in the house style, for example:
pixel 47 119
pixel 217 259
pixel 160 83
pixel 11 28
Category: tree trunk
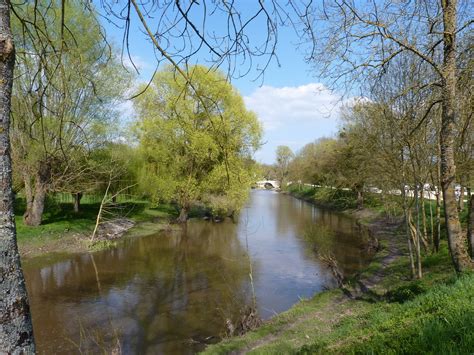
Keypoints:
pixel 456 239
pixel 423 219
pixel 437 233
pixel 408 231
pixel 183 215
pixel 431 220
pixel 34 211
pixel 28 191
pixel 461 200
pixel 470 223
pixel 415 236
pixel 16 330
pixel 409 239
pixel 77 201
pixel 416 232
pixel 360 198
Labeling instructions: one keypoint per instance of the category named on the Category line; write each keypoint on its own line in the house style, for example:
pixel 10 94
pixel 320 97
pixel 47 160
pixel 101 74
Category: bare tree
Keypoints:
pixel 361 40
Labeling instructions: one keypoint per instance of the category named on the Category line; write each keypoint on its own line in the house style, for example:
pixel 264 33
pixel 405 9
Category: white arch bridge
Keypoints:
pixel 268 184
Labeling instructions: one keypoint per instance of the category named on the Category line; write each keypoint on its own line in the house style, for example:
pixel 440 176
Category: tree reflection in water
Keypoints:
pixel 171 293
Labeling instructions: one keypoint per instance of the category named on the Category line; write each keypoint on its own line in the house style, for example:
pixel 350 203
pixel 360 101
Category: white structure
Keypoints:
pixel 268 184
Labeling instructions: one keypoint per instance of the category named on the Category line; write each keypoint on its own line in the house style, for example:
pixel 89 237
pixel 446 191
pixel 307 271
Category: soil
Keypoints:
pixel 70 242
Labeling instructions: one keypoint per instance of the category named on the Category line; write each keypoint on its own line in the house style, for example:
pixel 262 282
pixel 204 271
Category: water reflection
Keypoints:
pixel 173 293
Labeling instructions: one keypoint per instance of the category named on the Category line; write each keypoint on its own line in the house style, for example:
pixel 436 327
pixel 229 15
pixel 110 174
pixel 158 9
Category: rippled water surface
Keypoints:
pixel 173 293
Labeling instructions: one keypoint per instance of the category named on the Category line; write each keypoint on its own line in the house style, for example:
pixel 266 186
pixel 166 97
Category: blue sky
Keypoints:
pixel 294 106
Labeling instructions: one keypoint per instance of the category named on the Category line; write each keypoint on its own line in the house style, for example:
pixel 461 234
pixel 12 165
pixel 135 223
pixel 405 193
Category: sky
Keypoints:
pixel 291 102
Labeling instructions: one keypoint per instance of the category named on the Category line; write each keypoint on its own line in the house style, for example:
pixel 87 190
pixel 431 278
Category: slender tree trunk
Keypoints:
pixel 406 211
pixel 101 209
pixel 418 254
pixel 437 234
pixel 415 237
pixel 16 330
pixel 470 223
pixel 417 234
pixel 423 219
pixel 409 238
pixel 456 239
pixel 77 201
pixel 461 200
pixel 431 219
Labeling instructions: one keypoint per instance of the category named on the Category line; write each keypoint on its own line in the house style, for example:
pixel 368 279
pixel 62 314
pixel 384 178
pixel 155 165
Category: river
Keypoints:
pixel 174 292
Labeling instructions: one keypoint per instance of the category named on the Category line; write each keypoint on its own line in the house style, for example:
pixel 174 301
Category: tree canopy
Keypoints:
pixel 196 144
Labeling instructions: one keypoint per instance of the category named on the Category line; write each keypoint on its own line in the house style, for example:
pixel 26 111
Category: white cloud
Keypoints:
pixel 138 61
pixel 295 116
pixel 309 103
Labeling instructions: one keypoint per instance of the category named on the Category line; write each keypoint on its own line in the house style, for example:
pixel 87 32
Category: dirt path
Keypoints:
pixel 320 315
pixel 386 233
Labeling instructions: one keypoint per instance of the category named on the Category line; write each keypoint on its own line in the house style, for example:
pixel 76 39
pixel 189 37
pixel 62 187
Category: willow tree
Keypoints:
pixel 62 98
pixel 196 143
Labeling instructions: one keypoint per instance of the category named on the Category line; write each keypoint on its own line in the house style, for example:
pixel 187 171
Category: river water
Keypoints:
pixel 173 293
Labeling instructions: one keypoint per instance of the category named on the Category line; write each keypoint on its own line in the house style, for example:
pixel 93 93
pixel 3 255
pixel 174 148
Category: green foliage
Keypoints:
pixel 196 141
pixel 327 197
pixel 284 155
pixel 314 163
pixel 65 96
pixel 405 292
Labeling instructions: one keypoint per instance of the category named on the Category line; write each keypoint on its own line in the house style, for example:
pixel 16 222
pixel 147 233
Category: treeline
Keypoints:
pixel 390 144
pixel 189 142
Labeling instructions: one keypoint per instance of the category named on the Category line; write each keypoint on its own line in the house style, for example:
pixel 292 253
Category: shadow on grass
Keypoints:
pixel 56 212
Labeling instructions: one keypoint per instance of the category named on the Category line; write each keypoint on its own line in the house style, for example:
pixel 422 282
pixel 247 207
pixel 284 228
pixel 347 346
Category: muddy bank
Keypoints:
pixel 109 234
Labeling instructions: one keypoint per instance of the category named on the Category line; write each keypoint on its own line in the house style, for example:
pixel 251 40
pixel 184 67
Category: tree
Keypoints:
pixel 372 36
pixel 387 154
pixel 284 155
pixel 16 330
pixel 353 161
pixel 62 99
pixel 195 143
pixel 267 171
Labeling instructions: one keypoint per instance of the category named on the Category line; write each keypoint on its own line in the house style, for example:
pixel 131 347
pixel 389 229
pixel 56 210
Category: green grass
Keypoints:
pixel 431 315
pixel 60 219
pixel 333 198
pixel 437 321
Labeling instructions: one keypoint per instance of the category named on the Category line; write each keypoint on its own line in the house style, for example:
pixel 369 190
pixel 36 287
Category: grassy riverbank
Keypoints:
pixel 387 313
pixel 63 230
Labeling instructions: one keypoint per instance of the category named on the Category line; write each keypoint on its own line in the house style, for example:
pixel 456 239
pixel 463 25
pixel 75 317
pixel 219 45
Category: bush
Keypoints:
pixel 405 293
